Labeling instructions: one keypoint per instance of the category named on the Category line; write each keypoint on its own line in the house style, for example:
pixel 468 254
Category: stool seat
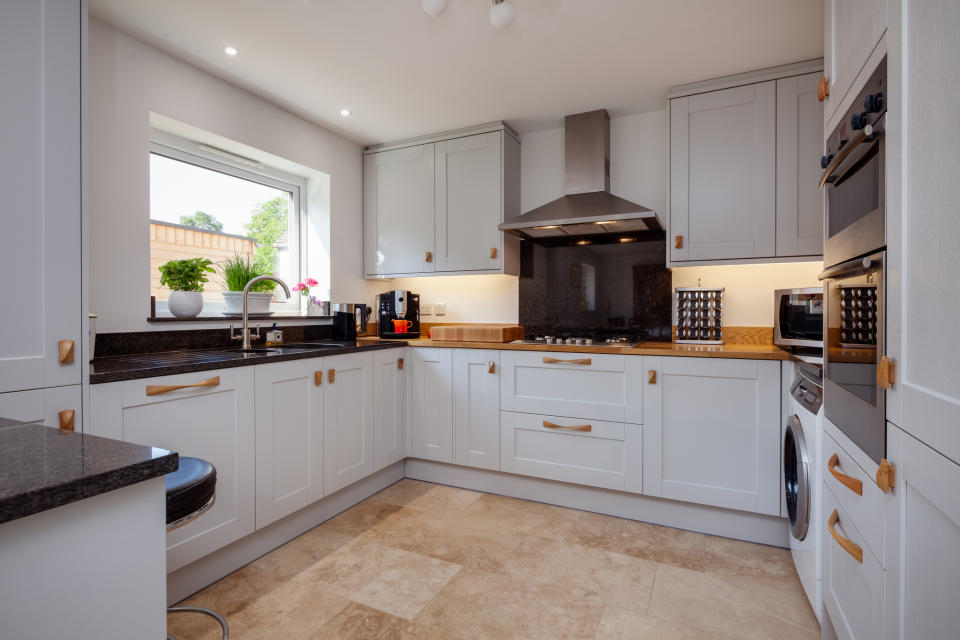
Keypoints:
pixel 190 488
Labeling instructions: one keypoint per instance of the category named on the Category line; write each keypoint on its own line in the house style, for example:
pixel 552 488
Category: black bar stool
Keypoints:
pixel 191 490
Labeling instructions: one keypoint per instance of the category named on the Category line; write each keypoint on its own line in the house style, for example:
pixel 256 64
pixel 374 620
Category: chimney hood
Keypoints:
pixel 588 212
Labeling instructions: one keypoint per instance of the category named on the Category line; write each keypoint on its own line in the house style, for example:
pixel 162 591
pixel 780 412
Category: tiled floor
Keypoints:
pixel 419 560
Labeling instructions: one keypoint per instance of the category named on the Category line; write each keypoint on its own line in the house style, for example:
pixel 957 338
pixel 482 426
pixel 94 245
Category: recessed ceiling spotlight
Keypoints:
pixel 230 51
pixel 345 112
pixel 502 13
pixel 434 8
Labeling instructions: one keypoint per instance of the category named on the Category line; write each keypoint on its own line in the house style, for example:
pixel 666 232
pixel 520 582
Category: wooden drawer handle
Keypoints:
pixel 66 419
pixel 491 367
pixel 549 360
pixel 429 256
pixel 886 475
pixel 65 347
pixel 885 373
pixel 823 89
pixel 582 427
pixel 331 375
pixel 652 377
pixel 155 390
pixel 678 242
pixel 493 253
pixel 400 363
pixel 317 378
pixel 848 545
pixel 849 482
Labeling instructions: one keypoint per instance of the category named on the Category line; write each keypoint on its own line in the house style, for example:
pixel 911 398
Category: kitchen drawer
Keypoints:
pixel 852 590
pixel 609 455
pixel 151 390
pixel 866 512
pixel 575 385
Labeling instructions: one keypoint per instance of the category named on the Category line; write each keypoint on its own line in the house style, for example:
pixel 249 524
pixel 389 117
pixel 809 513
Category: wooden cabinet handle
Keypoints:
pixel 848 545
pixel 581 427
pixel 549 360
pixel 886 475
pixel 429 257
pixel 317 378
pixel 885 373
pixel 849 482
pixel 331 375
pixel 823 89
pixel 400 363
pixel 493 253
pixel 66 419
pixel 66 351
pixel 652 377
pixel 491 367
pixel 678 242
pixel 157 389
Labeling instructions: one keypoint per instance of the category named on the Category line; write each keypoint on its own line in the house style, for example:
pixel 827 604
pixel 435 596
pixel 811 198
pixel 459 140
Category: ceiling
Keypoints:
pixel 403 73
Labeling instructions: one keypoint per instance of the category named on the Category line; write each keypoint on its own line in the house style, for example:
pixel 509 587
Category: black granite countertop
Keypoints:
pixel 42 468
pixel 163 363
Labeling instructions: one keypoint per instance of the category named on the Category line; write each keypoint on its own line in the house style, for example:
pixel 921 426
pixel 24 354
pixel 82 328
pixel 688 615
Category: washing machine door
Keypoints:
pixel 796 478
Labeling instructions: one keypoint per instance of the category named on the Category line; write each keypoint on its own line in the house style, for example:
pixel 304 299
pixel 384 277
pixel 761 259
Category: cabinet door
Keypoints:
pixel 469 202
pixel 289 426
pixel 799 147
pixel 389 407
pixel 40 164
pixel 44 405
pixel 347 420
pixel 398 204
pixel 711 432
pixel 215 423
pixel 852 29
pixel 431 404
pixel 476 408
pixel 722 174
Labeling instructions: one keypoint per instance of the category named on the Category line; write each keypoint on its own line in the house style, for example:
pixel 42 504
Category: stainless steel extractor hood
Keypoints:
pixel 588 209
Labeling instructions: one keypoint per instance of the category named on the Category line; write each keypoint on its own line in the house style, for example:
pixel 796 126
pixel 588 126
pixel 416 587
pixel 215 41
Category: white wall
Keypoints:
pixel 127 81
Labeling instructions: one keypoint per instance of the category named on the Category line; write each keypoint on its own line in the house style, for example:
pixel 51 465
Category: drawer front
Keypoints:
pixel 576 385
pixel 161 388
pixel 609 455
pixel 866 511
pixel 852 590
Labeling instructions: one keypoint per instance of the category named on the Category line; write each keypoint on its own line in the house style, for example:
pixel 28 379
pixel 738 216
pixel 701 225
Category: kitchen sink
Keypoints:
pixel 314 345
pixel 255 350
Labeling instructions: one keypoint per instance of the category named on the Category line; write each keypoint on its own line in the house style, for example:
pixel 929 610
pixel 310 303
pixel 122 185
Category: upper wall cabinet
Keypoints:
pixel 852 28
pixel 432 206
pixel 743 154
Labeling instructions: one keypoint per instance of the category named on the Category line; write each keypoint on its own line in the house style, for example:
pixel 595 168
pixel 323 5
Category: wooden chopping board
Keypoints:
pixel 477 333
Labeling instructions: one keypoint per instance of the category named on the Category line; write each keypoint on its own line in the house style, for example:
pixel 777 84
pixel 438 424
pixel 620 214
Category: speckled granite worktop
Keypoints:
pixel 42 468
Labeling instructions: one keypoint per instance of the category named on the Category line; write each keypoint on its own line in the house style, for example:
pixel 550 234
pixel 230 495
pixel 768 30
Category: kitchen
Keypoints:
pixel 653 347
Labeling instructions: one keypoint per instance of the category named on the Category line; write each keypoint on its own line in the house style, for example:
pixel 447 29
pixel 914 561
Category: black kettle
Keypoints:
pixel 349 320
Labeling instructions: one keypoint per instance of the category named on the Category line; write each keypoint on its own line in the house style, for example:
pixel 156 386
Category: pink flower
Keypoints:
pixel 299 286
pixel 311 282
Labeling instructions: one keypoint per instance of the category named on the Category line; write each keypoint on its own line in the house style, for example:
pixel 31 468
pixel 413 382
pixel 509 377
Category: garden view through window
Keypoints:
pixel 219 212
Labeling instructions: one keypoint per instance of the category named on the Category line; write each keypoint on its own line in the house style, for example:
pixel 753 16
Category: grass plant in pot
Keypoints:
pixel 237 272
pixel 185 279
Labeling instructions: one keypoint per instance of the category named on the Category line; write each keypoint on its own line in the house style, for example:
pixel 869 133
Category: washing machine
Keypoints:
pixel 803 479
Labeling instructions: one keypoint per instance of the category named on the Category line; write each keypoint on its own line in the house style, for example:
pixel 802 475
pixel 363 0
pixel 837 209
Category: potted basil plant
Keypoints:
pixel 237 272
pixel 185 279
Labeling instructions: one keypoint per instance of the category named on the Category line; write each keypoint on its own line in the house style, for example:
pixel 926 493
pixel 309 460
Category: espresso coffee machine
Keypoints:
pixel 398 305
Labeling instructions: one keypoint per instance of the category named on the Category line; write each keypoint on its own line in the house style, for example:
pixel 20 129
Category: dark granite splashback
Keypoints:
pixel 122 344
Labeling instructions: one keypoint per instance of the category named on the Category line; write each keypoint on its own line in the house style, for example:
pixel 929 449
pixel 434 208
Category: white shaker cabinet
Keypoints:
pixel 723 174
pixel 398 201
pixel 40 177
pixel 208 415
pixel 389 407
pixel 852 29
pixel 476 408
pixel 430 412
pixel 347 420
pixel 799 147
pixel 711 432
pixel 289 440
pixel 54 407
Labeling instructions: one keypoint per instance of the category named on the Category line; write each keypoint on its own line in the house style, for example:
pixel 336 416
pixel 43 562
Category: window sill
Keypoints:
pixel 261 317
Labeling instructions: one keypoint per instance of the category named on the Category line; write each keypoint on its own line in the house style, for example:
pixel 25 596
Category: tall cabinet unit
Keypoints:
pixel 41 178
pixel 852 29
pixel 432 205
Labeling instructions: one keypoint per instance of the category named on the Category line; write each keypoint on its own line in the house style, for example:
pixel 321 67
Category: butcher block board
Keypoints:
pixel 477 333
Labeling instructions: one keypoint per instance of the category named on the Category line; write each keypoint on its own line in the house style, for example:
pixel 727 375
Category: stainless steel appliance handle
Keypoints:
pixel 862 136
pixel 856 267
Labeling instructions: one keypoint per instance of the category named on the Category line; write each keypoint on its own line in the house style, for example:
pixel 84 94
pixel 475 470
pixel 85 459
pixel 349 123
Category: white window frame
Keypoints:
pixel 201 155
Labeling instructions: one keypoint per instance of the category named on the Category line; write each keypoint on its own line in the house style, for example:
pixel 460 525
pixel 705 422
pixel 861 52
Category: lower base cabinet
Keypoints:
pixel 390 407
pixel 430 415
pixel 711 432
pixel 51 406
pixel 476 408
pixel 347 420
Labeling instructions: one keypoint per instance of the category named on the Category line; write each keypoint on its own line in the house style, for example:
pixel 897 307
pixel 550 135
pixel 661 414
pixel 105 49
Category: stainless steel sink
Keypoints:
pixel 314 345
pixel 260 350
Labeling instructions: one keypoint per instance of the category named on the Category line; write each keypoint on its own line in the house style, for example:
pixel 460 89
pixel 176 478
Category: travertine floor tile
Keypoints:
pixel 358 622
pixel 361 517
pixel 524 516
pixel 424 496
pixel 479 545
pixel 588 574
pixel 292 610
pixel 737 558
pixel 735 606
pixel 301 552
pixel 641 540
pixel 392 580
pixel 624 624
pixel 478 605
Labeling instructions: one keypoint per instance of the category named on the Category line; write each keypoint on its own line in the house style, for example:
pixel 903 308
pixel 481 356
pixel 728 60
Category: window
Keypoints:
pixel 205 203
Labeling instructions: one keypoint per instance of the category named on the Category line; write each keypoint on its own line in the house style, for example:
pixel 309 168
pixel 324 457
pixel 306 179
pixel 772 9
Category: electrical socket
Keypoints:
pixel 440 308
pixel 426 308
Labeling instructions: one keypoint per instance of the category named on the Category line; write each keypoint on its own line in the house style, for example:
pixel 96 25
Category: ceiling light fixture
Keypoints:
pixel 434 8
pixel 230 51
pixel 345 112
pixel 502 13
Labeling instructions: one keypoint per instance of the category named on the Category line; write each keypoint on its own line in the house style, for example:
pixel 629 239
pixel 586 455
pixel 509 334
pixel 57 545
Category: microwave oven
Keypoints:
pixel 798 317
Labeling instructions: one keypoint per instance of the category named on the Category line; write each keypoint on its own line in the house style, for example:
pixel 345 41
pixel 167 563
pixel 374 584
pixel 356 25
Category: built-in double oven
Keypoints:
pixel 855 374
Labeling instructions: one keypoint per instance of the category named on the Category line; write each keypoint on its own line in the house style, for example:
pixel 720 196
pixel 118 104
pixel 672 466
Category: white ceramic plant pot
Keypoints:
pixel 185 304
pixel 256 302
